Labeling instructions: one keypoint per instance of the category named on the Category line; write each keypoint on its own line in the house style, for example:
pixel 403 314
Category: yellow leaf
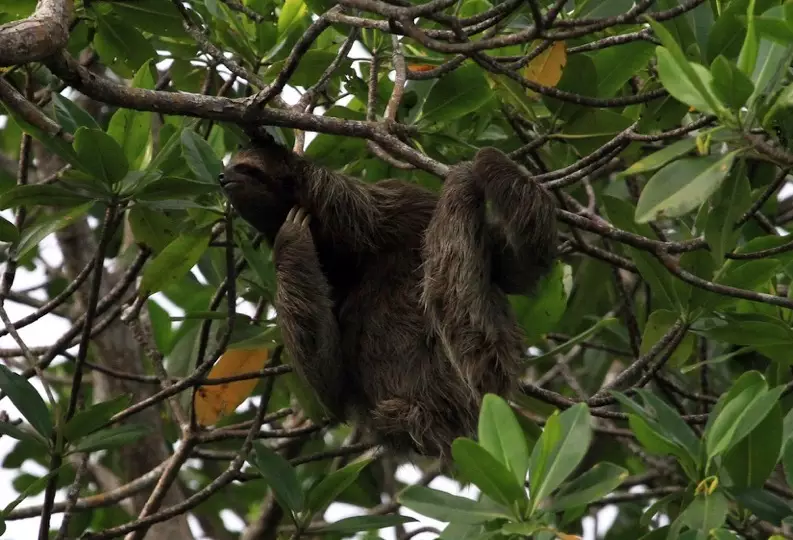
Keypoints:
pixel 217 400
pixel 546 69
pixel 563 536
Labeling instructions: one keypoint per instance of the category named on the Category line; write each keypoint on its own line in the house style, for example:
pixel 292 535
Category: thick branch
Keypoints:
pixel 38 36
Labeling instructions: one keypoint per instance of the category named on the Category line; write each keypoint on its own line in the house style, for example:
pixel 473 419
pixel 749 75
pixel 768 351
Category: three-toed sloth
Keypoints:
pixel 392 299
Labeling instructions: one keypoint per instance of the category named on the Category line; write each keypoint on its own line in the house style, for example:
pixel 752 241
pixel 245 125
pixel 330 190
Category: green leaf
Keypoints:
pixel 671 421
pixel 292 12
pixel 94 417
pixel 446 507
pixel 121 46
pixel 8 231
pixel 751 329
pixel 151 228
pixel 356 524
pixel 70 115
pixel 174 262
pixel 729 202
pixel 200 157
pixel 658 159
pixel 280 476
pixel 101 154
pixel 131 128
pixel 730 84
pixel 27 400
pixel 751 43
pixel 113 437
pixel 500 434
pixel 657 325
pixel 583 336
pixel 39 195
pixel 739 417
pixel 689 83
pixel 728 32
pixel 615 65
pixel 559 451
pixel 541 312
pixel 591 486
pixel 653 272
pixel 455 95
pixel 22 434
pixel 751 461
pixel 764 504
pixel 706 512
pixel 330 487
pixel 36 486
pixel 682 186
pixel 489 475
pixel 35 233
pixel 153 16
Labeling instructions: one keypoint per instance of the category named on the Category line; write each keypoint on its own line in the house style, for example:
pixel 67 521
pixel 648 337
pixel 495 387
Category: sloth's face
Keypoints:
pixel 261 188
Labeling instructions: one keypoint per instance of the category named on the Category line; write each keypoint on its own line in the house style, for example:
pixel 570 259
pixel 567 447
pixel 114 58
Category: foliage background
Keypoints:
pixel 658 372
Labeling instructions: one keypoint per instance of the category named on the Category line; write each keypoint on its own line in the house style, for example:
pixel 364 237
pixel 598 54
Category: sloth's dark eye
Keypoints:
pixel 244 168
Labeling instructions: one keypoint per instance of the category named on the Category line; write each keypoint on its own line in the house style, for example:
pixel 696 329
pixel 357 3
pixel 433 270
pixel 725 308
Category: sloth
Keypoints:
pixel 391 298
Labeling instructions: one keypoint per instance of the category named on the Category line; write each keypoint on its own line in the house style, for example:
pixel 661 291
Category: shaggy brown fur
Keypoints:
pixel 392 299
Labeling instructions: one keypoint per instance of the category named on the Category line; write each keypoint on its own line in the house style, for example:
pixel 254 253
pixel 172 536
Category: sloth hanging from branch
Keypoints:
pixel 392 299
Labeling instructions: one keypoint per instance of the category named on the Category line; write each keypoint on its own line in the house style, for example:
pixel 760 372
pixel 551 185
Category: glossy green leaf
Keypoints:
pixel 491 476
pixel 200 157
pixel 739 417
pixel 658 159
pixel 113 437
pixel 153 16
pixel 764 504
pixel 682 186
pixel 332 485
pixel 21 433
pixel 8 231
pixel 27 400
pixel 40 195
pixel 591 486
pixel 70 115
pixel 446 507
pixel 131 128
pixel 706 512
pixel 280 476
pixel 94 417
pixel 559 451
pixel 729 203
pixel 101 154
pixel 36 232
pixel 174 261
pixel 500 434
pixel 356 524
pixel 152 228
pixel 121 45
pixel 540 313
pixel 456 94
pixel 730 84
pixel 751 461
pixel 615 65
pixel 747 58
pixel 657 325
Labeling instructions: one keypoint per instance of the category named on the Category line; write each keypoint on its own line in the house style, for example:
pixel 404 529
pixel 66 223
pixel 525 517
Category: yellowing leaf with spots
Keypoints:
pixel 214 401
pixel 546 69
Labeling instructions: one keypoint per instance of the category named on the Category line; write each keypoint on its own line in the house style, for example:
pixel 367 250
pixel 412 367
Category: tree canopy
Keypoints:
pixel 658 371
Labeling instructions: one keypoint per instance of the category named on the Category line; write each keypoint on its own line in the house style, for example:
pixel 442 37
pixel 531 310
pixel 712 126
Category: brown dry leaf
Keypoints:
pixel 420 67
pixel 546 69
pixel 217 400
